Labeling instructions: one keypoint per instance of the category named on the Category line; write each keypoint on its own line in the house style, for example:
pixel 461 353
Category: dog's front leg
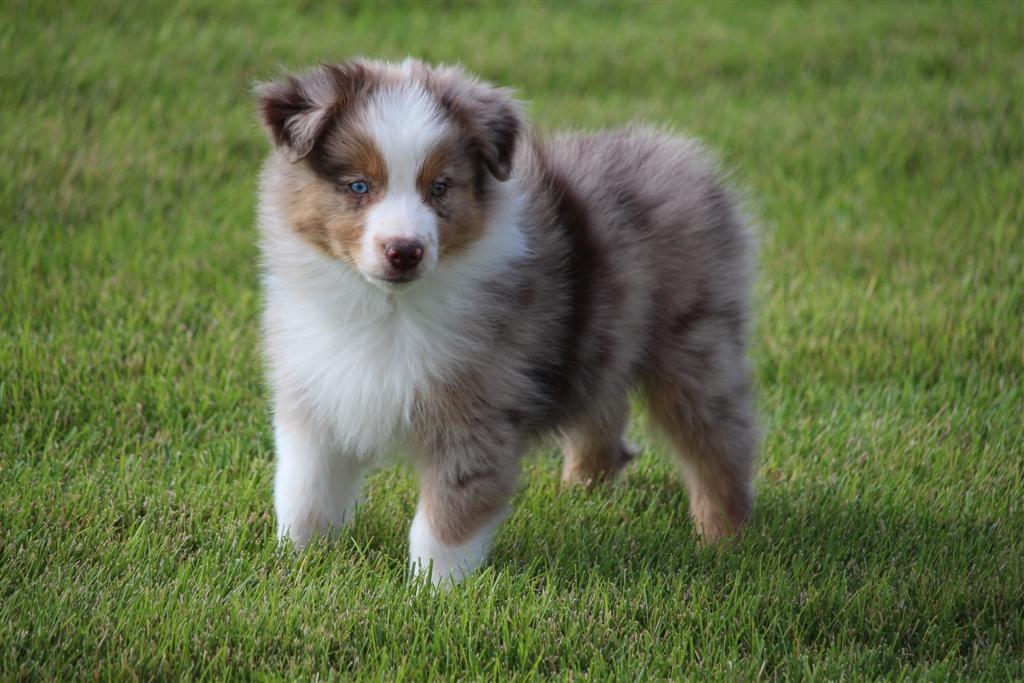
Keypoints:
pixel 316 486
pixel 464 496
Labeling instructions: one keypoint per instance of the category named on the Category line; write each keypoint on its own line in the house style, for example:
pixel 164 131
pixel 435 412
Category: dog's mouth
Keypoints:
pixel 394 279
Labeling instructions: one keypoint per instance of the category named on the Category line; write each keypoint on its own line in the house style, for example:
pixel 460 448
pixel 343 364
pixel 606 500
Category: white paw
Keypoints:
pixel 447 565
pixel 301 529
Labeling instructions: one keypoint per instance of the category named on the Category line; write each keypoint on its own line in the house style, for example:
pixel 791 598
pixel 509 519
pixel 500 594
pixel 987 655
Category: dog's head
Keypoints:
pixel 389 168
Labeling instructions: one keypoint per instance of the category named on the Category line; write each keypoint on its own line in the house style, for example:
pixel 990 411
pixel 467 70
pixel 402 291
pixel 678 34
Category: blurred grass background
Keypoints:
pixel 882 147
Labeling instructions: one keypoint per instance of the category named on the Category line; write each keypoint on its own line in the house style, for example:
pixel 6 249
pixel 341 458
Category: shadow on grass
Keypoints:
pixel 641 528
pixel 645 530
pixel 813 563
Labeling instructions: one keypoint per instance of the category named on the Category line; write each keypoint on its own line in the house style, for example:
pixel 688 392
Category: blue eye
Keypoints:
pixel 359 187
pixel 438 188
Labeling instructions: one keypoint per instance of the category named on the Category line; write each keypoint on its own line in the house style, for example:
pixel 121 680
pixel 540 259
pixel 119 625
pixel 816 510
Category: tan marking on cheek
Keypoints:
pixel 346 234
pixel 306 211
pixel 327 219
pixel 464 226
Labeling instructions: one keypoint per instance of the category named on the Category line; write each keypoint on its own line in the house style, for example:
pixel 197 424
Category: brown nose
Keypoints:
pixel 404 255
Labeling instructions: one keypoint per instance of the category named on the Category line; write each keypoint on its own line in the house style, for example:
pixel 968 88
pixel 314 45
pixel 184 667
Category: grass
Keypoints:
pixel 883 147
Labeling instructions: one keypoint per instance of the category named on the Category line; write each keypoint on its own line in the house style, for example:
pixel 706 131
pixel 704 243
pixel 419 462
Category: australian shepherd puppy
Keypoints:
pixel 441 283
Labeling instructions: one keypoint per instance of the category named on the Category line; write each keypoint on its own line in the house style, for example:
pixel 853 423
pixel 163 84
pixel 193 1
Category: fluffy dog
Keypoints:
pixel 443 284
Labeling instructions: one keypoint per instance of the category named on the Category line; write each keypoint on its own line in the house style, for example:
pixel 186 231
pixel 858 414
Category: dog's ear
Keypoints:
pixel 298 109
pixel 491 116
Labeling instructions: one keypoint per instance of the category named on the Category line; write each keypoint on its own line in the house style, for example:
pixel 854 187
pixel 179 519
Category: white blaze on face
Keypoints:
pixel 406 124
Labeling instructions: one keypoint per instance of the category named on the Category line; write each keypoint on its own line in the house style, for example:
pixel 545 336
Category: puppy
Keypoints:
pixel 442 284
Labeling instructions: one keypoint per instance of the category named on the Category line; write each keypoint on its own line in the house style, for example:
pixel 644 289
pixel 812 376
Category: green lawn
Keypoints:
pixel 882 147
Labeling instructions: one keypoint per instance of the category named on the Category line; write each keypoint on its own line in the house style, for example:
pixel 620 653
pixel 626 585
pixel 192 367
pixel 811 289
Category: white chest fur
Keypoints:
pixel 359 365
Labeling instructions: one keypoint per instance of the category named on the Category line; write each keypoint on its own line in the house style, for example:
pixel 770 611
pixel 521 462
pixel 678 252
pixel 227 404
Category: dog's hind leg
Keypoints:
pixel 594 448
pixel 704 403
